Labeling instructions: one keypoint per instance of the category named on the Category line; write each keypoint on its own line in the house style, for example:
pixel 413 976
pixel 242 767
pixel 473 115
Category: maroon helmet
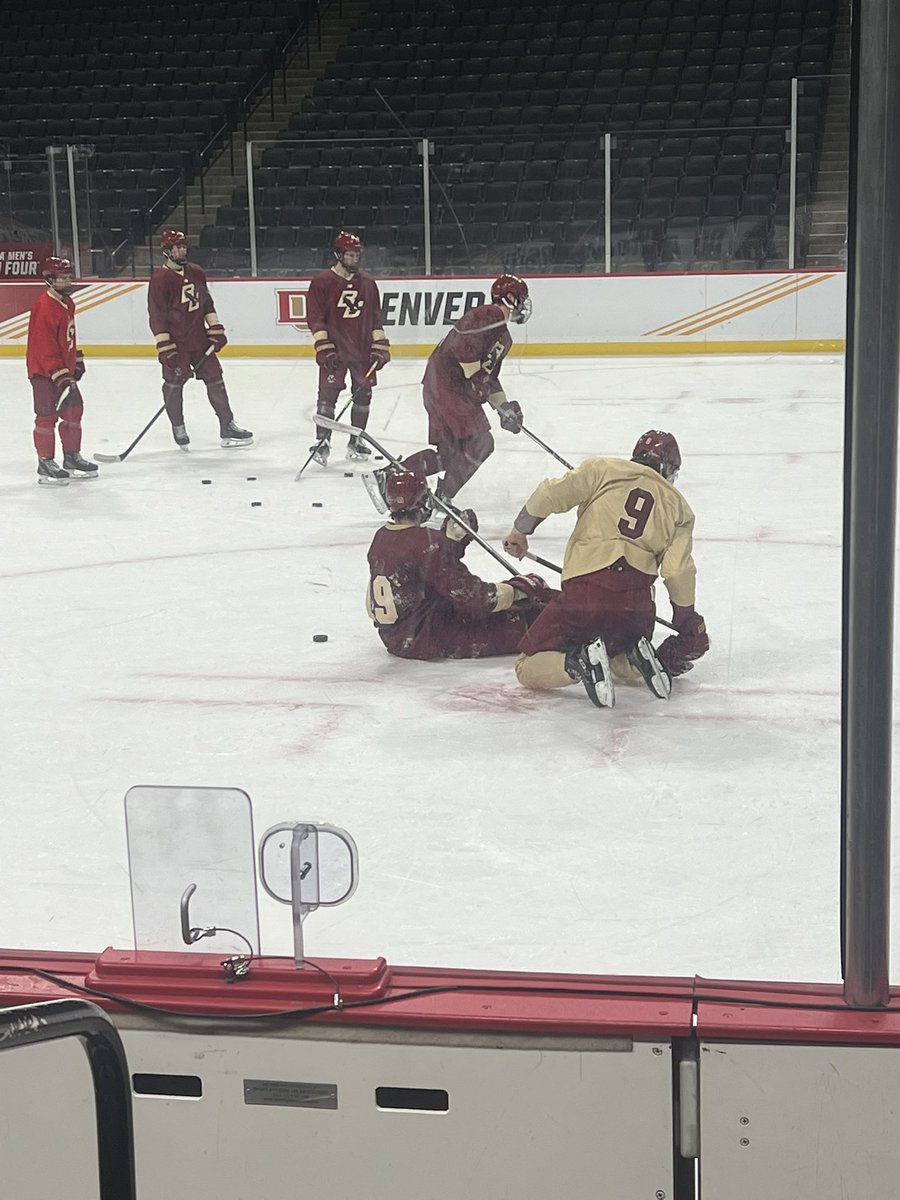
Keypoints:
pixel 513 292
pixel 406 491
pixel 53 266
pixel 658 450
pixel 171 238
pixel 347 243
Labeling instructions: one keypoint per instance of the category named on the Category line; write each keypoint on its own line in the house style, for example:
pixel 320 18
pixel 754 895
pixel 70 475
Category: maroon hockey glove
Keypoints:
pixel 456 533
pixel 217 336
pixel 481 384
pixel 510 416
pixel 534 589
pixel 326 356
pixel 381 353
pixel 167 353
pixel 678 654
pixel 80 368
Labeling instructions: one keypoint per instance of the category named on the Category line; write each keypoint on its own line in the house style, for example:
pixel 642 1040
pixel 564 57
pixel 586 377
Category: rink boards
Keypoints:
pixel 795 312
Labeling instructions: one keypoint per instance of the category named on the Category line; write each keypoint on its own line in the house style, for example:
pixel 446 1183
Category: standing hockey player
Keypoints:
pixel 632 525
pixel 55 365
pixel 463 373
pixel 344 316
pixel 424 601
pixel 189 336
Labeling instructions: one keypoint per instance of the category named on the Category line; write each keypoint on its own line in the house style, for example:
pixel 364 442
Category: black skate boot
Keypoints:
pixel 321 450
pixel 179 433
pixel 590 666
pixel 78 467
pixel 50 472
pixel 233 435
pixel 358 450
pixel 642 656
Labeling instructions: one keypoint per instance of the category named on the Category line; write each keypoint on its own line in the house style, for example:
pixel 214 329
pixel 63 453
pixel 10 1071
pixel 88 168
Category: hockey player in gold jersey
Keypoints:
pixel 632 525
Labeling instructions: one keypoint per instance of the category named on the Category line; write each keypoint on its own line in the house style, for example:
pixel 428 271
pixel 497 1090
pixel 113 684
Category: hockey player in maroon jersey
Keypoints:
pixel 55 365
pixel 424 601
pixel 633 524
pixel 461 376
pixel 343 310
pixel 189 336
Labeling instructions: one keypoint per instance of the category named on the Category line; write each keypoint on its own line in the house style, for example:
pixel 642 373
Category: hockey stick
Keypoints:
pixel 449 509
pixel 553 567
pixel 323 440
pixel 109 458
pixel 544 446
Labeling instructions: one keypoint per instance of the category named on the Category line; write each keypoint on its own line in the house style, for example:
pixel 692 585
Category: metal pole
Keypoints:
pixel 251 210
pixel 792 212
pixel 607 201
pixel 54 200
pixel 870 474
pixel 426 201
pixel 76 251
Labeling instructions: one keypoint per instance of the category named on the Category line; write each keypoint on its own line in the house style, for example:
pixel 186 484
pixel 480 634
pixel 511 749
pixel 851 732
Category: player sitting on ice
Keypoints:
pixel 343 310
pixel 55 365
pixel 424 601
pixel 189 336
pixel 462 375
pixel 632 525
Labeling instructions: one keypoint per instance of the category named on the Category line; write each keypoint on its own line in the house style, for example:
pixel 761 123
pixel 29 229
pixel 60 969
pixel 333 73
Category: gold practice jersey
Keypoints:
pixel 625 510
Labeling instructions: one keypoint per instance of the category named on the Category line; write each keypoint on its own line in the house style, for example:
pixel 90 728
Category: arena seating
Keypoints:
pixel 153 92
pixel 515 101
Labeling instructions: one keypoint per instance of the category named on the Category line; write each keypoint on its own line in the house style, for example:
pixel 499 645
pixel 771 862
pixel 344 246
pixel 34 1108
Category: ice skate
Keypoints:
pixel 374 482
pixel 78 467
pixel 320 452
pixel 180 434
pixel 590 666
pixel 50 473
pixel 643 658
pixel 233 435
pixel 357 450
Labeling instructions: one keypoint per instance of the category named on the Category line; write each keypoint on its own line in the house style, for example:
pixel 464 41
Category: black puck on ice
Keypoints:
pixel 317 503
pixel 379 458
pixel 206 481
pixel 256 503
pixel 348 474
pixel 251 479
pixel 320 637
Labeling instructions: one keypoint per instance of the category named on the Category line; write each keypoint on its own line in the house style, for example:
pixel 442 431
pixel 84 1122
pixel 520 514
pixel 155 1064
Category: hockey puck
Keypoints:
pixel 348 474
pixel 251 479
pixel 320 637
pixel 379 458
pixel 206 481
pixel 317 504
pixel 256 503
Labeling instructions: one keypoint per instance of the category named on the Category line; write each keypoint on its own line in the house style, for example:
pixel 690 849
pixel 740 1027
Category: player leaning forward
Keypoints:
pixel 55 365
pixel 343 310
pixel 189 336
pixel 632 525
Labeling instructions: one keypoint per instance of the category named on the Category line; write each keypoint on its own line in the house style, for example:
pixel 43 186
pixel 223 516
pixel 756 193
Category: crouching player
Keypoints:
pixel 633 524
pixel 424 601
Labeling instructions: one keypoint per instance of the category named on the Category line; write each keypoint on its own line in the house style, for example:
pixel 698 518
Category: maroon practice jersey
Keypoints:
pixel 418 585
pixel 179 302
pixel 51 344
pixel 480 336
pixel 348 310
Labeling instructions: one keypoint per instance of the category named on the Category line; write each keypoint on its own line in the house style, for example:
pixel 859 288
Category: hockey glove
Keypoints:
pixel 62 380
pixel 480 385
pixel 530 589
pixel 381 353
pixel 456 533
pixel 510 416
pixel 678 654
pixel 80 368
pixel 216 334
pixel 167 353
pixel 326 356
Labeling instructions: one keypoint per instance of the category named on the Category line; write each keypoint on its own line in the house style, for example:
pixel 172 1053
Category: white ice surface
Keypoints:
pixel 156 630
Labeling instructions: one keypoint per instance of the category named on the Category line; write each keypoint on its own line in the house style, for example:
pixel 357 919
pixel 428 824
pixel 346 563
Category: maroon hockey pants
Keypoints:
pixel 615 604
pixel 46 398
